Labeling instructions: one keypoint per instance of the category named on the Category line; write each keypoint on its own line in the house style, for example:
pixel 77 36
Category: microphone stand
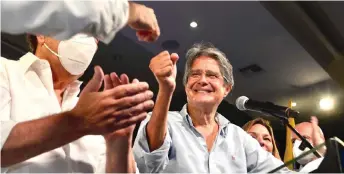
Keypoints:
pixel 284 120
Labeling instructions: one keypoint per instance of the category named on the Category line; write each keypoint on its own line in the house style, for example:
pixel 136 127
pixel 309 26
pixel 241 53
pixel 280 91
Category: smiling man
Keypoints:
pixel 196 139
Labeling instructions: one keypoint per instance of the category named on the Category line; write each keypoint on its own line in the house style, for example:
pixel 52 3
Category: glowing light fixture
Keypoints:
pixel 193 24
pixel 326 104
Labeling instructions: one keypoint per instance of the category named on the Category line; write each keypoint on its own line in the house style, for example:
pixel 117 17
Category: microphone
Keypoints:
pixel 243 103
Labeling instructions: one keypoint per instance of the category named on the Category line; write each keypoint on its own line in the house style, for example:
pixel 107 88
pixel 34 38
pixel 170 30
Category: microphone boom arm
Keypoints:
pixel 280 112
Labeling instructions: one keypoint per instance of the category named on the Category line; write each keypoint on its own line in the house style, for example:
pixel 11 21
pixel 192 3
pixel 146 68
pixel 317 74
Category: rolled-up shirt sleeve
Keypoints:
pixel 147 161
pixel 63 19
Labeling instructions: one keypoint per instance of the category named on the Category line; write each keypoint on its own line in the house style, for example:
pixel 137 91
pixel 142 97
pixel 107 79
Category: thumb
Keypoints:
pixel 96 82
pixel 314 122
pixel 174 58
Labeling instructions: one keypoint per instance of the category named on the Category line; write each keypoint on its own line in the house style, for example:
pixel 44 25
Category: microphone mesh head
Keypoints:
pixel 240 103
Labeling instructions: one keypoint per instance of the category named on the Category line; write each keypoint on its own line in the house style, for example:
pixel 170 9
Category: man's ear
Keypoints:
pixel 40 39
pixel 228 89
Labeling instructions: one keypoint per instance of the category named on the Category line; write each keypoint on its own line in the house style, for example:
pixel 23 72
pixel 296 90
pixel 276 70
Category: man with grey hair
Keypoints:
pixel 196 139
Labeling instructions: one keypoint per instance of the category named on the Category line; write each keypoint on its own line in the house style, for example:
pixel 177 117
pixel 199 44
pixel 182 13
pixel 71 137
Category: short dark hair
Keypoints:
pixel 32 42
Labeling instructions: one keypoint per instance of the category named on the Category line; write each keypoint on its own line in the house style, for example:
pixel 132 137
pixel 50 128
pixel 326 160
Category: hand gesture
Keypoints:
pixel 143 20
pixel 164 68
pixel 104 112
pixel 112 81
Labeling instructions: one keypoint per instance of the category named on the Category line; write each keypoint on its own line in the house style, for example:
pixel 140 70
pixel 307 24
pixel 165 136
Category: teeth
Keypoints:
pixel 204 91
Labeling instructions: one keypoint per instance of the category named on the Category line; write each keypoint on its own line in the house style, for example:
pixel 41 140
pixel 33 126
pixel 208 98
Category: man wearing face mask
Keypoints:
pixel 314 135
pixel 63 19
pixel 46 128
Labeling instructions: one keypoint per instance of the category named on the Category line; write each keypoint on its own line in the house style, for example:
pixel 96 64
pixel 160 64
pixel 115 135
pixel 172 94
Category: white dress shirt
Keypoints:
pixel 63 19
pixel 27 93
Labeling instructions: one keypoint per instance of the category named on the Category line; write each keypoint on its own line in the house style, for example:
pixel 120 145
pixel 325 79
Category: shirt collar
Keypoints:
pixel 221 120
pixel 74 87
pixel 30 60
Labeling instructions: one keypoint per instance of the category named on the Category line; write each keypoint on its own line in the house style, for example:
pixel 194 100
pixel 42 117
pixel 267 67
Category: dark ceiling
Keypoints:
pixel 295 59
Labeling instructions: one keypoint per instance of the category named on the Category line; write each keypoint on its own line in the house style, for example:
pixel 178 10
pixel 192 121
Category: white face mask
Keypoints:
pixel 297 152
pixel 76 53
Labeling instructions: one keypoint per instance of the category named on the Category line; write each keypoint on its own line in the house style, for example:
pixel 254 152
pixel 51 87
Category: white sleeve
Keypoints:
pixel 102 165
pixel 5 106
pixel 63 19
pixel 259 160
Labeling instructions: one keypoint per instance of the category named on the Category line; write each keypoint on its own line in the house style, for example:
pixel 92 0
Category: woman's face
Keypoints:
pixel 262 135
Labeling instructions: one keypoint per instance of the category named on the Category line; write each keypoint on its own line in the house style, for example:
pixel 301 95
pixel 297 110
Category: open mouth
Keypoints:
pixel 202 91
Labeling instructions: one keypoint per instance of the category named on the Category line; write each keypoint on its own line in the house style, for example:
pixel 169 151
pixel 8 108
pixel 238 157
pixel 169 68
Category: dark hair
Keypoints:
pixel 32 42
pixel 266 124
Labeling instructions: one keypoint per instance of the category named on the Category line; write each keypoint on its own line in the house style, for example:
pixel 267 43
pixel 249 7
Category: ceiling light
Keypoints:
pixel 326 104
pixel 193 24
pixel 293 104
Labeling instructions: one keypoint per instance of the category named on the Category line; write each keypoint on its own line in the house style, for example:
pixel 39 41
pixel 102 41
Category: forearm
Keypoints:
pixel 32 138
pixel 63 19
pixel 157 125
pixel 119 156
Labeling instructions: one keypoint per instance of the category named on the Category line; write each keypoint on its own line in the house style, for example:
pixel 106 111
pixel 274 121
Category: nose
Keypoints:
pixel 202 80
pixel 261 142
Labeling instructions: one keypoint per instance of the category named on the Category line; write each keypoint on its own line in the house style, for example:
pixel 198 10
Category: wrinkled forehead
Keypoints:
pixel 205 63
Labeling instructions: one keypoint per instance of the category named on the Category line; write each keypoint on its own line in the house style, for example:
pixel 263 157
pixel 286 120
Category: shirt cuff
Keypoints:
pixel 151 159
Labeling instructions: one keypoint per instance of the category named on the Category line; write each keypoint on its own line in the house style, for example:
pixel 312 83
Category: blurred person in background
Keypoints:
pixel 314 135
pixel 262 131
